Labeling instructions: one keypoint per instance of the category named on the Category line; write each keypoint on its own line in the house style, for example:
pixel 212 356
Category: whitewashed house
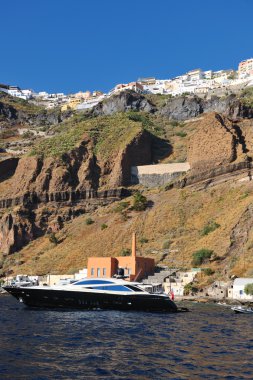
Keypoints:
pixel 237 290
pixel 177 282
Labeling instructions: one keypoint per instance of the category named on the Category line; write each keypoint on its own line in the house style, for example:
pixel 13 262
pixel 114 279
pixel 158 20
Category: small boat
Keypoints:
pixel 94 293
pixel 242 309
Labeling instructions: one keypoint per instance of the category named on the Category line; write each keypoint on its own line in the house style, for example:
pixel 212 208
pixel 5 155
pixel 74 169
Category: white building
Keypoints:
pixel 89 103
pixel 177 282
pixel 245 68
pixel 195 75
pixel 237 290
pixel 158 86
pixel 16 91
pixel 133 86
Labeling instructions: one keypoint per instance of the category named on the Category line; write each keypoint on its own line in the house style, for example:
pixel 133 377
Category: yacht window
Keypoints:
pixel 114 288
pixel 134 288
pixel 92 282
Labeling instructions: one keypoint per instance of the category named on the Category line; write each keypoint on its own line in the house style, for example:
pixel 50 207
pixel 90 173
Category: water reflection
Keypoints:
pixel 211 342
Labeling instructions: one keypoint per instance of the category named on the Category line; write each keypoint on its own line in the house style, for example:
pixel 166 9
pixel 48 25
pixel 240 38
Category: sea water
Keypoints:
pixel 210 342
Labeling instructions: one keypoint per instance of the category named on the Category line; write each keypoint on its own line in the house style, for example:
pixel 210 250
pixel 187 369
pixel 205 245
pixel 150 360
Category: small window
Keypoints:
pixel 98 272
pixel 92 272
pixel 104 272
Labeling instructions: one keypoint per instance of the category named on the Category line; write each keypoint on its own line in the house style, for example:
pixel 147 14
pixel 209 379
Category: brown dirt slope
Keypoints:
pixel 174 227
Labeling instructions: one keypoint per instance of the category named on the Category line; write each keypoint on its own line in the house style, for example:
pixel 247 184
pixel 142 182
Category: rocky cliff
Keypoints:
pixel 216 142
pixel 176 108
pixel 183 108
pixel 124 101
pixel 72 178
pixel 18 111
pixel 76 169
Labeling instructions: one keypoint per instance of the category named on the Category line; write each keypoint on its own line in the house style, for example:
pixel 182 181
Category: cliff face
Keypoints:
pixel 216 142
pixel 16 230
pixel 40 192
pixel 72 179
pixel 78 170
pixel 183 108
pixel 177 108
pixel 125 101
pixel 18 111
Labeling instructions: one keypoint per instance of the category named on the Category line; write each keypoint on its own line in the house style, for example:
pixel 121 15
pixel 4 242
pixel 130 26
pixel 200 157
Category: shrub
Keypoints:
pixel 249 289
pixel 103 226
pixel 137 117
pixel 28 134
pixel 208 271
pixel 190 288
pixel 181 134
pixel 200 256
pixel 125 252
pixel 174 123
pixel 209 227
pixel 143 240
pixel 53 239
pixel 89 221
pixel 166 244
pixel 124 216
pixel 121 206
pixel 244 195
pixel 140 202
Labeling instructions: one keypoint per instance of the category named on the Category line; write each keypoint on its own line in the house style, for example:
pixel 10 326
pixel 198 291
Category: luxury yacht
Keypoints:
pixel 93 293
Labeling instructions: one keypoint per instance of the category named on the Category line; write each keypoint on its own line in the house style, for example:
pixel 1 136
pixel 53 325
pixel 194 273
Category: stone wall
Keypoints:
pixel 157 175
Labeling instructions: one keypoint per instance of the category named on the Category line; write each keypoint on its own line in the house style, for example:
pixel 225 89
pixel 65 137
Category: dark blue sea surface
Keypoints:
pixel 210 342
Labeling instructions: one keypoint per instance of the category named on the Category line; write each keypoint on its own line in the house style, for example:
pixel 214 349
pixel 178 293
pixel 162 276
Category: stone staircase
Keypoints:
pixel 159 276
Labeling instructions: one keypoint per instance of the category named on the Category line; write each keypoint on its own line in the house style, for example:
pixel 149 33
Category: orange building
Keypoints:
pixel 135 268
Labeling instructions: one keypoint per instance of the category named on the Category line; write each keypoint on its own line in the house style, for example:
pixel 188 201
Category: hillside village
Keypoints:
pixel 197 81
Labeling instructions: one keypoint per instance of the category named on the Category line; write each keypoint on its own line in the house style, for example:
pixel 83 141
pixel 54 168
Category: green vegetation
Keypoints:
pixel 143 240
pixel 181 134
pixel 244 195
pixel 201 256
pixel 103 226
pixel 247 97
pixel 89 221
pixel 125 252
pixel 249 289
pixel 209 227
pixel 166 244
pixel 53 239
pixel 121 206
pixel 8 133
pixel 139 117
pixel 190 289
pixel 208 271
pixel 108 133
pixel 28 134
pixel 158 100
pixel 20 104
pixel 139 202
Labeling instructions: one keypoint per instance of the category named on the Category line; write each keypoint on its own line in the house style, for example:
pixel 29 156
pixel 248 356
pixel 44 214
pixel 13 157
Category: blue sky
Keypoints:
pixel 72 45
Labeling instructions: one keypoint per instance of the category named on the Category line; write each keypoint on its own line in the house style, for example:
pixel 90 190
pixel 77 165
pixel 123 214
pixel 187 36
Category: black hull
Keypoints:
pixel 50 298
